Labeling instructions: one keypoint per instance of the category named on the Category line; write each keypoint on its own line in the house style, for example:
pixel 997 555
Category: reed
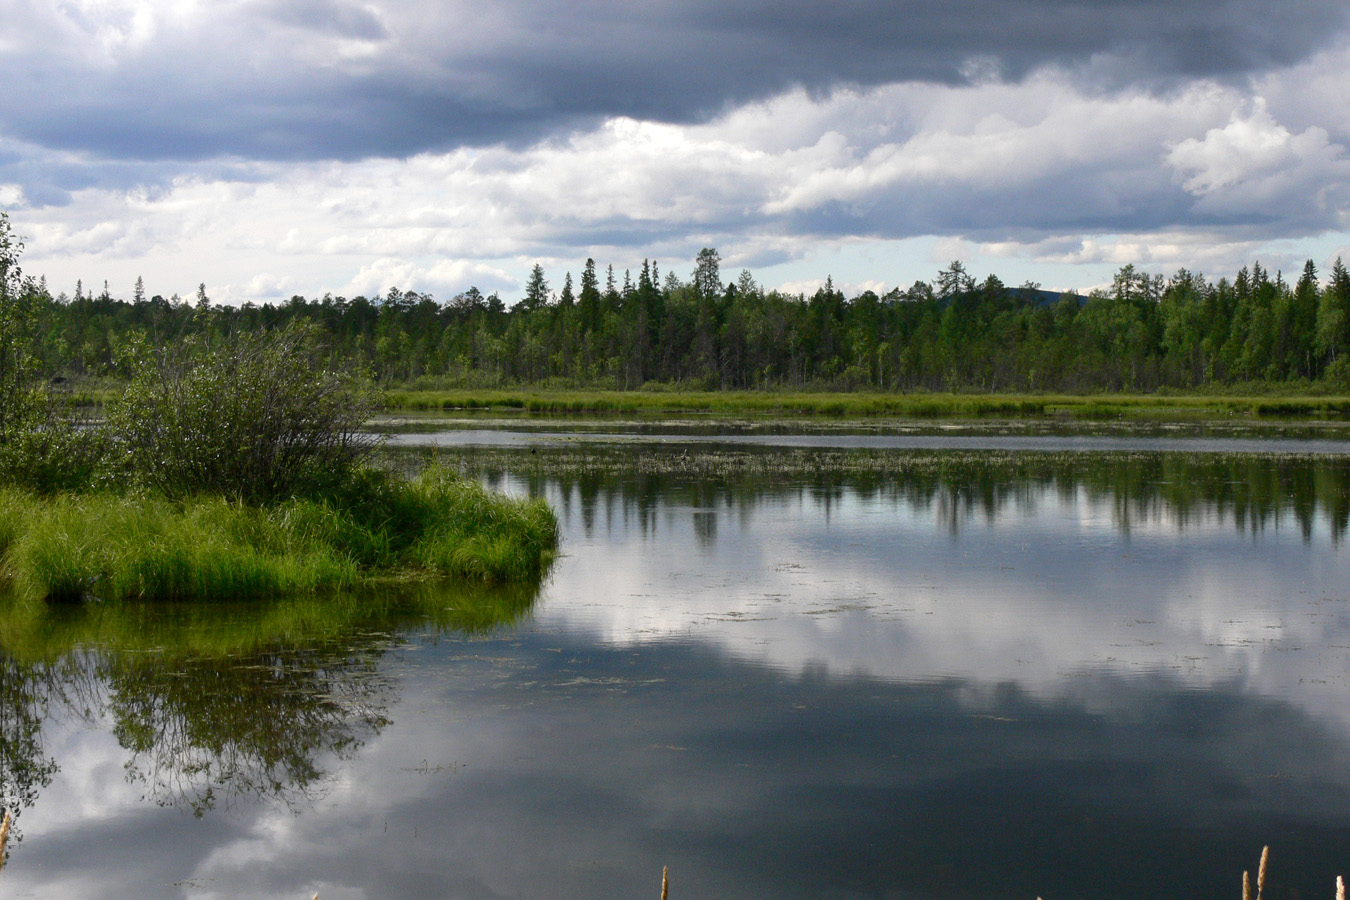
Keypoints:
pixel 4 836
pixel 1261 879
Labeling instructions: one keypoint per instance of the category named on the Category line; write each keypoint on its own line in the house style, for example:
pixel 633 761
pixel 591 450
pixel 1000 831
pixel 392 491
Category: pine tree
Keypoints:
pixel 1300 324
pixel 589 300
pixel 536 289
pixel 566 299
pixel 708 274
pixel 1333 315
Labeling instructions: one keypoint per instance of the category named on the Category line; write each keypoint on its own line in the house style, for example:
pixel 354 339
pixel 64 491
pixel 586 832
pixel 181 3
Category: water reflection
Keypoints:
pixel 222 703
pixel 1038 570
pixel 533 765
pixel 782 674
pixel 1178 489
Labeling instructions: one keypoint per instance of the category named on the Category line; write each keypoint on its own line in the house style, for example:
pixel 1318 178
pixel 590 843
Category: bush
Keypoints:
pixel 258 419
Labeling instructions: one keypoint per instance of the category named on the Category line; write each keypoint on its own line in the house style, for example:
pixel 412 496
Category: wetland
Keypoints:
pixel 996 660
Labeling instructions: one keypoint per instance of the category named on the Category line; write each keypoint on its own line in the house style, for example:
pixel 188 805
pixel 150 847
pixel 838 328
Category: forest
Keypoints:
pixel 955 333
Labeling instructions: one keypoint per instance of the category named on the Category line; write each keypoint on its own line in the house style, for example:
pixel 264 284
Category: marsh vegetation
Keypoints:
pixel 230 467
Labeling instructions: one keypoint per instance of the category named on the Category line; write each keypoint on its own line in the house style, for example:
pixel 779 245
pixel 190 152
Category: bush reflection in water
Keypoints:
pixel 217 703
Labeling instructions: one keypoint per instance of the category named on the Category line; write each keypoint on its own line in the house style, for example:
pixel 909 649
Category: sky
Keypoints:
pixel 273 147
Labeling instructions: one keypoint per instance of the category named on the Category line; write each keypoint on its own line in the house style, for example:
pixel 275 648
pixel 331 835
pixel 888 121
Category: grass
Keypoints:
pixel 100 546
pixel 1246 401
pixel 863 405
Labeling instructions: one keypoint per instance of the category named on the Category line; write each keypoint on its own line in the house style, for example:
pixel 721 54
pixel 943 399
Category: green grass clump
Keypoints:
pixel 107 547
pixel 470 533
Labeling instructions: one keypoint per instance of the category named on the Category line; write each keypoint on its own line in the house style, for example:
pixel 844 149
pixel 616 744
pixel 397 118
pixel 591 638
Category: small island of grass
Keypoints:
pixel 229 470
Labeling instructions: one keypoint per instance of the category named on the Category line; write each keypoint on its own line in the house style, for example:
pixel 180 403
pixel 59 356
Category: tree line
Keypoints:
pixel 1142 333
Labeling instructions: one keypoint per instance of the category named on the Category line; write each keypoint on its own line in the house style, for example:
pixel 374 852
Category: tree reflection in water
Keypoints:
pixel 209 730
pixel 1250 491
pixel 219 703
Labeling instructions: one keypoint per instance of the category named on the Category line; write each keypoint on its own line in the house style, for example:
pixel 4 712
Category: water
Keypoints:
pixel 779 671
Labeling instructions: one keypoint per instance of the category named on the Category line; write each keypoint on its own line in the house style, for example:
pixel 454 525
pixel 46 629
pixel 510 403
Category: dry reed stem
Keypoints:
pixel 1261 872
pixel 665 882
pixel 4 835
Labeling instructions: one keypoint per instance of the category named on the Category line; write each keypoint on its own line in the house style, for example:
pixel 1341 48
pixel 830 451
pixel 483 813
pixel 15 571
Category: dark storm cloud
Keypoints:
pixel 342 19
pixel 328 79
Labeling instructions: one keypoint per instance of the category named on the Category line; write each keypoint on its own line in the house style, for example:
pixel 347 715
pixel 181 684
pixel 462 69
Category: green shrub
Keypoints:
pixel 258 419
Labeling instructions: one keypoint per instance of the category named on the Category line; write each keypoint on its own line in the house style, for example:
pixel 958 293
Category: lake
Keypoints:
pixel 828 665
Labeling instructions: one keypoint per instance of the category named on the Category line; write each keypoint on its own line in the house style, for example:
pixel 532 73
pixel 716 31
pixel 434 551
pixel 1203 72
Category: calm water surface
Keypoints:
pixel 942 673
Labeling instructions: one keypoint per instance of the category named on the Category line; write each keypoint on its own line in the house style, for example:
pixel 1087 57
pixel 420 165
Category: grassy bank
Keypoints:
pixel 871 405
pixel 101 546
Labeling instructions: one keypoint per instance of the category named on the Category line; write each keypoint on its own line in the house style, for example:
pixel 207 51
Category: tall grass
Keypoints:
pixel 107 547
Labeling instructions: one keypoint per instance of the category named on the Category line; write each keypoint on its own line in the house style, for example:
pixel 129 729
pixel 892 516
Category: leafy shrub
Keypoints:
pixel 258 419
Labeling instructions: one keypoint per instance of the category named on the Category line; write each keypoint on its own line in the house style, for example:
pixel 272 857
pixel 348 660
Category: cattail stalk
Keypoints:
pixel 4 835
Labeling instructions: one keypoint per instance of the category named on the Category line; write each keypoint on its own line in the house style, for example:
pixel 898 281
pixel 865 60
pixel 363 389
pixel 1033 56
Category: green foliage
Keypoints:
pixel 247 452
pixel 635 329
pixel 41 446
pixel 258 418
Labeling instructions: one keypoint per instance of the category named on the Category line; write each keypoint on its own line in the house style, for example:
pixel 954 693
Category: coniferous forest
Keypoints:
pixel 623 331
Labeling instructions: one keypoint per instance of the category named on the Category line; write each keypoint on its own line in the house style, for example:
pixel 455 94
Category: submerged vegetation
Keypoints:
pixel 231 467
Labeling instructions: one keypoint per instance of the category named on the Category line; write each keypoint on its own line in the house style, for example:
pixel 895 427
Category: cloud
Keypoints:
pixel 329 79
pixel 443 279
pixel 1254 167
pixel 1044 169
